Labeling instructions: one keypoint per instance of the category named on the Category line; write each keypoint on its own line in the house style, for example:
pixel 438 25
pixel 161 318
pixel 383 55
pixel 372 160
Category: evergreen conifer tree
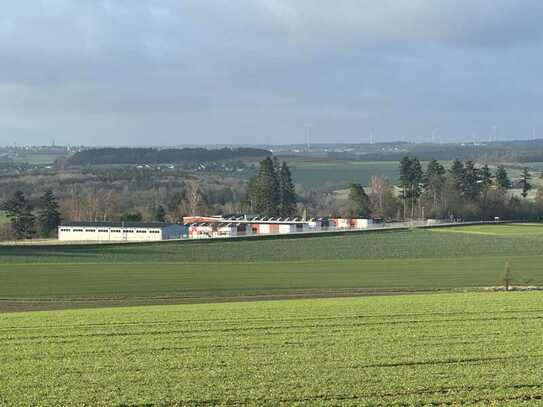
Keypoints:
pixel 457 174
pixel 525 181
pixel 19 211
pixel 160 214
pixel 502 179
pixel 360 202
pixel 471 185
pixel 486 176
pixel 416 177
pixel 287 204
pixel 48 215
pixel 434 180
pixel 267 191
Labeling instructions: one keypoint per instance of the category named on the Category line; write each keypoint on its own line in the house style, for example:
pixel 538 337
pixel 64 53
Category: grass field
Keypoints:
pixel 328 172
pixel 37 159
pixel 450 349
pixel 526 230
pixel 333 174
pixel 41 277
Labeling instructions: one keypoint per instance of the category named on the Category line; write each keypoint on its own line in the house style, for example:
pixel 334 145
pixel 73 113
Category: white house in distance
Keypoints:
pixel 121 231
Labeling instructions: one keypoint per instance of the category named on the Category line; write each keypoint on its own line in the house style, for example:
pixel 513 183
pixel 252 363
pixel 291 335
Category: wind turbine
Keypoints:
pixel 308 138
pixel 434 133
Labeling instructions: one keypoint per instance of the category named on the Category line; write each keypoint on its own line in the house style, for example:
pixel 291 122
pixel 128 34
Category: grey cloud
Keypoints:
pixel 93 71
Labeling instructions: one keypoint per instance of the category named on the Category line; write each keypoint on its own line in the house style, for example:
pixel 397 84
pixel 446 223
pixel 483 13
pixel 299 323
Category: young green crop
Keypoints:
pixel 434 243
pixel 441 259
pixel 457 349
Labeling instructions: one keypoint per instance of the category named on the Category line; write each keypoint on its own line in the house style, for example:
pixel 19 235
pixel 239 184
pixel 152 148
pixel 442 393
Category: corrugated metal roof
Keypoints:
pixel 144 225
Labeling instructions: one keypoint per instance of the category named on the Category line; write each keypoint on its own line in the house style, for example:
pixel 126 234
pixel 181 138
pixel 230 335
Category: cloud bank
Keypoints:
pixel 263 71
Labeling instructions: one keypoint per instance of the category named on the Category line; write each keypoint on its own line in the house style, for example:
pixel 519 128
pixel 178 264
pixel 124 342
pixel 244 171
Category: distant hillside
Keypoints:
pixel 522 151
pixel 155 156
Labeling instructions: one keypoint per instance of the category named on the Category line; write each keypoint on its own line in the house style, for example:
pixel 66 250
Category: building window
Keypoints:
pixel 141 231
pixel 90 230
pixel 116 231
pixel 128 231
pixel 102 230
pixel 78 230
pixel 65 230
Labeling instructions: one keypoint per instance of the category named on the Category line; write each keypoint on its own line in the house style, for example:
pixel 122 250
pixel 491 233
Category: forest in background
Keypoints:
pixel 408 189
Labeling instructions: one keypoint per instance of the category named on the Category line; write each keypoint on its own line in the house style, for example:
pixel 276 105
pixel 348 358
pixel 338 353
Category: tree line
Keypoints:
pixel 461 190
pixel 127 155
pixel 464 190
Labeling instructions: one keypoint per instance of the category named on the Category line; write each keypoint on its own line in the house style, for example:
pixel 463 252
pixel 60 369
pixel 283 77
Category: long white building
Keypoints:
pixel 121 231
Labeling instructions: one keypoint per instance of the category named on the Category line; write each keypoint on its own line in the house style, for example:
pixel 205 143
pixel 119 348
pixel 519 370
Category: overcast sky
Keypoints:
pixel 170 72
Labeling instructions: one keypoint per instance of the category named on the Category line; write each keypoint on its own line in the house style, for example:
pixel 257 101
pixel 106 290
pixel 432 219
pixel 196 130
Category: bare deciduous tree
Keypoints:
pixel 507 275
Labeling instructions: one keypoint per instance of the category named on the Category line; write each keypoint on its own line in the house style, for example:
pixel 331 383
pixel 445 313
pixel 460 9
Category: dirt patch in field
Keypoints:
pixel 27 304
pixel 515 288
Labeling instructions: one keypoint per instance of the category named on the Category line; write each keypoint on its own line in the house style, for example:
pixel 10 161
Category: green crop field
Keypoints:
pixel 450 349
pixel 313 173
pixel 37 158
pixel 333 173
pixel 47 277
pixel 526 230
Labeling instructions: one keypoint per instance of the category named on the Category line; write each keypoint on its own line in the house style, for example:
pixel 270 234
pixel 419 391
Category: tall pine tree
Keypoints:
pixel 434 180
pixel 525 182
pixel 287 199
pixel 19 211
pixel 457 173
pixel 471 184
pixel 502 179
pixel 416 176
pixel 359 202
pixel 411 179
pixel 48 215
pixel 486 177
pixel 267 190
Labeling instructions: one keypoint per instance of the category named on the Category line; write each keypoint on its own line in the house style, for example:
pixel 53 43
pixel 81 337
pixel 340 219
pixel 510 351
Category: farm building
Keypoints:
pixel 348 223
pixel 204 230
pixel 241 226
pixel 121 231
pixel 318 224
pixel 244 225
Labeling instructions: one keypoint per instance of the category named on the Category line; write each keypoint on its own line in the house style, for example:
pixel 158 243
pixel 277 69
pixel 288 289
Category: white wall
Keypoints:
pixel 287 229
pixel 72 233
pixel 363 223
pixel 227 231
